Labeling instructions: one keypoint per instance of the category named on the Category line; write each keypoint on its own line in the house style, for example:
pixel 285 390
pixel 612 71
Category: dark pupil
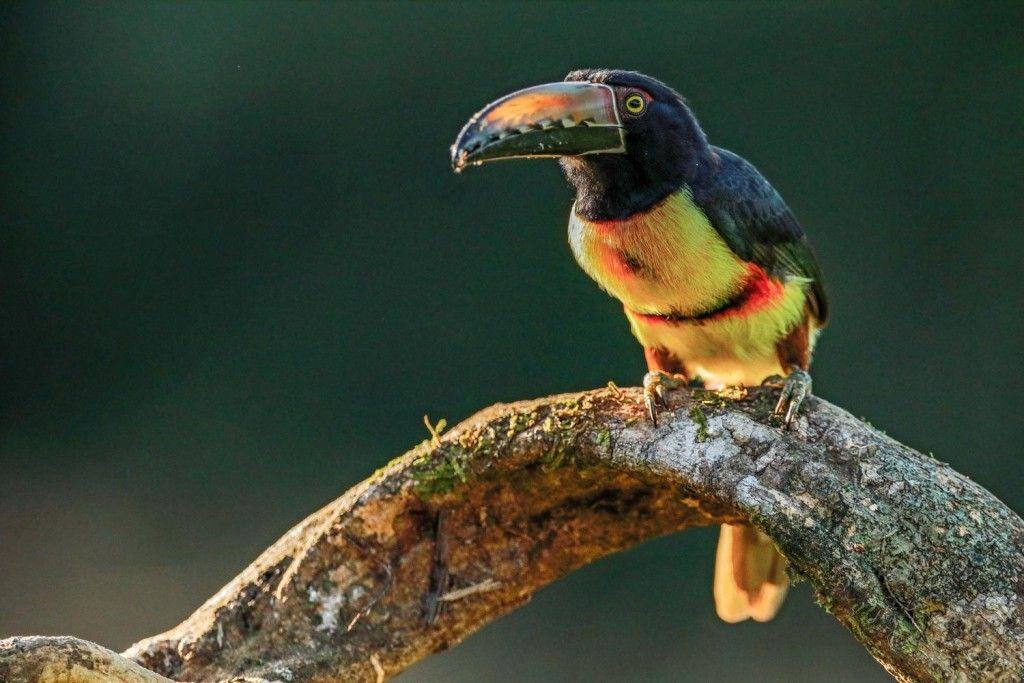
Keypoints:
pixel 634 102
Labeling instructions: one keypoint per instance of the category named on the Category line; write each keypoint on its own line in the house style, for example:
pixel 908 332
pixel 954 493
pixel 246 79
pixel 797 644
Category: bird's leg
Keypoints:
pixel 656 384
pixel 795 388
pixel 665 372
pixel 794 353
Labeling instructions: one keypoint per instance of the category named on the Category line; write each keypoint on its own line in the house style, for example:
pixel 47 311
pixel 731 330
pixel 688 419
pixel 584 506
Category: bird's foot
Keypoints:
pixel 795 388
pixel 656 386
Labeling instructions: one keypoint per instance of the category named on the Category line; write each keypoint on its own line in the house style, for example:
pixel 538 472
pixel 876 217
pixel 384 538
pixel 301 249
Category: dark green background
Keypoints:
pixel 236 271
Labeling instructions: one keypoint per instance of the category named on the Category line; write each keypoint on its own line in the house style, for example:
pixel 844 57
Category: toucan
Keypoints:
pixel 714 273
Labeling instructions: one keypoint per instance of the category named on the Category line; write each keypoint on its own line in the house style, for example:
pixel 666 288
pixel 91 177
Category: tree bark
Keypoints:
pixel 923 566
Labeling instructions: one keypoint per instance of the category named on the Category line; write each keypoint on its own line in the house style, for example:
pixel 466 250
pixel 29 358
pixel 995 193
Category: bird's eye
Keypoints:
pixel 635 104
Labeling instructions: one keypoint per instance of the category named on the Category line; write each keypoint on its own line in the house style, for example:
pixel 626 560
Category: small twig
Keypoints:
pixel 377 668
pixel 482 587
pixel 389 578
pixel 435 430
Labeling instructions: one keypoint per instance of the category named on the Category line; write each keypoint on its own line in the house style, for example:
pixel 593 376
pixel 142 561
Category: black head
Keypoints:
pixel 665 148
pixel 625 140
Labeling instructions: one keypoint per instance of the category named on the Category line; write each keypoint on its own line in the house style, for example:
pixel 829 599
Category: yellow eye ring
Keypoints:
pixel 635 104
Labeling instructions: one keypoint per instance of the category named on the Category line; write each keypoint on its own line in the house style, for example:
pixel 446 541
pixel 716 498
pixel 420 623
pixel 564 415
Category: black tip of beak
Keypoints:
pixel 476 144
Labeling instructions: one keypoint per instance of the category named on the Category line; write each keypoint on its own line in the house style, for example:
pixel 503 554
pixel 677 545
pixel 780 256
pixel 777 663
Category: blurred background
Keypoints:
pixel 236 270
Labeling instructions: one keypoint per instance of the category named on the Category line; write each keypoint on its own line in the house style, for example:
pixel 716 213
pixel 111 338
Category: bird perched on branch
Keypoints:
pixel 715 275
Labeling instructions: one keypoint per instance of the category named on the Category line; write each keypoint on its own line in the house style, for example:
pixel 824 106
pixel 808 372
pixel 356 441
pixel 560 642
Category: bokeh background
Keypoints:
pixel 235 271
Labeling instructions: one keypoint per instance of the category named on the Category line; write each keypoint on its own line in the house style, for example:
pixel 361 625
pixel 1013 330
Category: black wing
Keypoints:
pixel 757 225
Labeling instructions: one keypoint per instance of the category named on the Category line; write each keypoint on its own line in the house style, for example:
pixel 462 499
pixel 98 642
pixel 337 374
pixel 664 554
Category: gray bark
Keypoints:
pixel 923 566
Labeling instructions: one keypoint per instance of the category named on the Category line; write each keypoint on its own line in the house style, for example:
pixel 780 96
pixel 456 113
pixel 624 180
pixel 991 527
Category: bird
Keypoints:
pixel 715 275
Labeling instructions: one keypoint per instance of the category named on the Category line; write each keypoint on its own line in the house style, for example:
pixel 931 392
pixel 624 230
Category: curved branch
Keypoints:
pixel 924 566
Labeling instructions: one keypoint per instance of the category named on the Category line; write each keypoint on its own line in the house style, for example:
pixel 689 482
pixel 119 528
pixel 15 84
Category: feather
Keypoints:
pixel 757 225
pixel 750 577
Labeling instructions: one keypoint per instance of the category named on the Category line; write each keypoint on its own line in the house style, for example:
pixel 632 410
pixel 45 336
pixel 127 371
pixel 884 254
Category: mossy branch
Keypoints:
pixel 923 566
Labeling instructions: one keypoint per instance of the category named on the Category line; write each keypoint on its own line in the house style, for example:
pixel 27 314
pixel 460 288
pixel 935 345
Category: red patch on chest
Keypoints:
pixel 759 291
pixel 605 227
pixel 619 263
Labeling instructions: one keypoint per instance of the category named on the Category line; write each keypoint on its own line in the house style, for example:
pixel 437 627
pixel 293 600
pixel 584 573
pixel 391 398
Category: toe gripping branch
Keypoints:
pixel 795 389
pixel 656 384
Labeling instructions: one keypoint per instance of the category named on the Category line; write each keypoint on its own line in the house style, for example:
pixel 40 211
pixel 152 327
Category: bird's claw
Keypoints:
pixel 795 389
pixel 652 409
pixel 656 385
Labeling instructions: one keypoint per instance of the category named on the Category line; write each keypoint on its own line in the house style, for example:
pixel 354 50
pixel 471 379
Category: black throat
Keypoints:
pixel 614 187
pixel 659 160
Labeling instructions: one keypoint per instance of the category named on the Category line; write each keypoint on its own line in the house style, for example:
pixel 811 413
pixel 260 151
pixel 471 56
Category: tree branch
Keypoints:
pixel 62 659
pixel 923 565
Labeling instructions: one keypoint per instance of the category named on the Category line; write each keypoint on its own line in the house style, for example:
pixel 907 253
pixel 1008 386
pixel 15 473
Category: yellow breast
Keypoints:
pixel 667 259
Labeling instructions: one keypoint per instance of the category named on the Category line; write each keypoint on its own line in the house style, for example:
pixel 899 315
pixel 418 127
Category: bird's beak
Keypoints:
pixel 552 120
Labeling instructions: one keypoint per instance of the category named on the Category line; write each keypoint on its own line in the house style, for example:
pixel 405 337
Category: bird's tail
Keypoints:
pixel 750 576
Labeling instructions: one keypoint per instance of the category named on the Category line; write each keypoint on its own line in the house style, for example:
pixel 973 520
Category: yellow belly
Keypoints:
pixel 732 350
